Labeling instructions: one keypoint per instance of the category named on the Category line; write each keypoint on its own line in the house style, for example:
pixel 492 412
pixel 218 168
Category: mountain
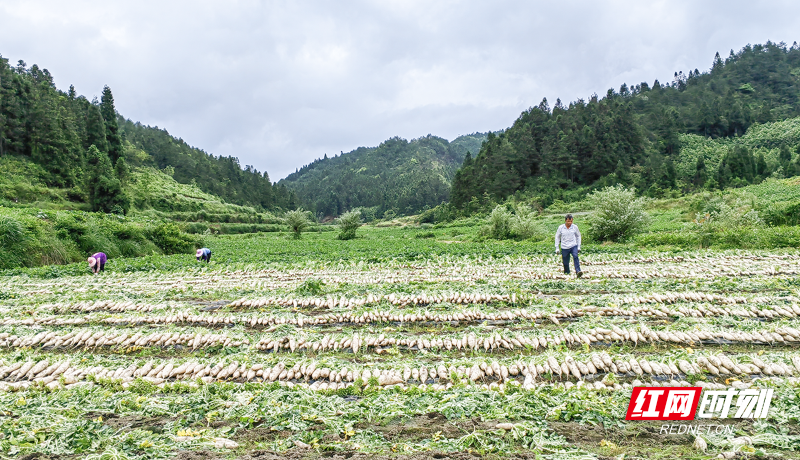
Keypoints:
pixel 634 136
pixel 398 176
pixel 56 129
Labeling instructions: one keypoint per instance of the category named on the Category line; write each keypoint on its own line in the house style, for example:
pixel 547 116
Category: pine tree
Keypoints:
pixel 785 155
pixel 761 165
pixel 113 136
pixel 621 173
pixel 700 173
pixel 797 159
pixel 95 129
pixel 104 189
pixel 792 168
pixel 718 64
pixel 121 170
pixel 670 175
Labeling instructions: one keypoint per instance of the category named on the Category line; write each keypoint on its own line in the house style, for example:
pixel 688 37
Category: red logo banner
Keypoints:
pixel 663 403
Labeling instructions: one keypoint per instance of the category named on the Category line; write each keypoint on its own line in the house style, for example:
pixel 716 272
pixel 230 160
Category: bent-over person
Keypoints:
pixel 97 262
pixel 203 254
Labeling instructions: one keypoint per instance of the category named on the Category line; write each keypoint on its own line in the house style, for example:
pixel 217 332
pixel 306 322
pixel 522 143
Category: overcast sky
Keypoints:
pixel 279 84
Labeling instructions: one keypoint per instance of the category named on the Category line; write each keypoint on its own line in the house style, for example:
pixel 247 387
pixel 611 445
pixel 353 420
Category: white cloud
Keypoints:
pixel 280 83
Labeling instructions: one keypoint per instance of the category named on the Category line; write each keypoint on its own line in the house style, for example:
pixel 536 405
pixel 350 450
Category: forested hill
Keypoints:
pixel 634 135
pixel 397 176
pixel 56 129
pixel 221 176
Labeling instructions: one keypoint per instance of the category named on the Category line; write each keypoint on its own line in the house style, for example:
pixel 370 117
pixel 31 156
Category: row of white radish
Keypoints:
pixel 65 372
pixel 447 272
pixel 322 385
pixel 519 341
pixel 87 338
pixel 377 316
pixel 457 298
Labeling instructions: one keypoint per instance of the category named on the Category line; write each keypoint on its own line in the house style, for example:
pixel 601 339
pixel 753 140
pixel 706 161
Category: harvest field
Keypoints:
pixel 392 346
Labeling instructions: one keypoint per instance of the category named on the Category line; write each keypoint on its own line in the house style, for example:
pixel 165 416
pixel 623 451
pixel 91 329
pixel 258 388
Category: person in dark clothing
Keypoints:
pixel 203 254
pixel 97 262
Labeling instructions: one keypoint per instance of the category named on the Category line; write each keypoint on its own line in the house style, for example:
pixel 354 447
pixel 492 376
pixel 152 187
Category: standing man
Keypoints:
pixel 568 239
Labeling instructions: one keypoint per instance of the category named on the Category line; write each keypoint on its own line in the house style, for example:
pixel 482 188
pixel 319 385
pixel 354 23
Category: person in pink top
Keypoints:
pixel 97 262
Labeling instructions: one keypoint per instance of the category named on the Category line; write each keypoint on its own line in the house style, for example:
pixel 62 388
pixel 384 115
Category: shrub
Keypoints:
pixel 728 225
pixel 720 215
pixel 297 221
pixel 618 213
pixel 444 212
pixel 169 238
pixel 681 239
pixel 348 224
pixel 779 237
pixel 524 225
pixel 11 232
pixel 368 214
pixel 427 216
pixel 782 213
pixel 12 242
pixel 500 223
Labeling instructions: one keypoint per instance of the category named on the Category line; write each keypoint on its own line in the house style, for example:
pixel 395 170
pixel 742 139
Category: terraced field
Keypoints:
pixel 440 357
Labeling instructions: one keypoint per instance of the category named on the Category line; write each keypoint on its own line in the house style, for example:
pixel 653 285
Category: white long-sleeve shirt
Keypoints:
pixel 568 237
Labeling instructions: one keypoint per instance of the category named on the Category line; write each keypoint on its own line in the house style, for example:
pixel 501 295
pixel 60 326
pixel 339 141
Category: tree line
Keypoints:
pixel 632 136
pixel 85 146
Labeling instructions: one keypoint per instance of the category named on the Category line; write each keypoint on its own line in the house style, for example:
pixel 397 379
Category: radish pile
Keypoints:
pixel 282 347
pixel 438 322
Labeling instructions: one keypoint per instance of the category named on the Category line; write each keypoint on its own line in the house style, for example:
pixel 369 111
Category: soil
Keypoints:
pixel 196 455
pixel 426 426
pixel 308 454
pixel 636 441
pixel 38 456
pixel 642 441
pixel 130 422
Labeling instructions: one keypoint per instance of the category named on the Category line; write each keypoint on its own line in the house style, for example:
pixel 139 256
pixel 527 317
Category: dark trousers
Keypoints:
pixel 206 257
pixel 565 253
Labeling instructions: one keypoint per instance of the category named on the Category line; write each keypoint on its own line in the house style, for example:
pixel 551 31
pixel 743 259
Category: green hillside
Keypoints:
pixel 398 176
pixel 651 136
pixel 766 140
pixel 56 129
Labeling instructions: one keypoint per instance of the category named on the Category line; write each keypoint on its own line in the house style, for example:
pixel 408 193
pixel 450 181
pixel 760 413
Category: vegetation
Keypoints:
pixel 30 238
pixel 618 213
pixel 298 221
pixel 499 226
pixel 219 176
pixel 399 177
pixel 395 347
pixel 449 334
pixel 348 225
pixel 649 136
pixel 56 130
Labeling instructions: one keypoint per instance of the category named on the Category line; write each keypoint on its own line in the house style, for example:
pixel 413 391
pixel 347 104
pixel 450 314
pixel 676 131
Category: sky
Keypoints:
pixel 281 83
